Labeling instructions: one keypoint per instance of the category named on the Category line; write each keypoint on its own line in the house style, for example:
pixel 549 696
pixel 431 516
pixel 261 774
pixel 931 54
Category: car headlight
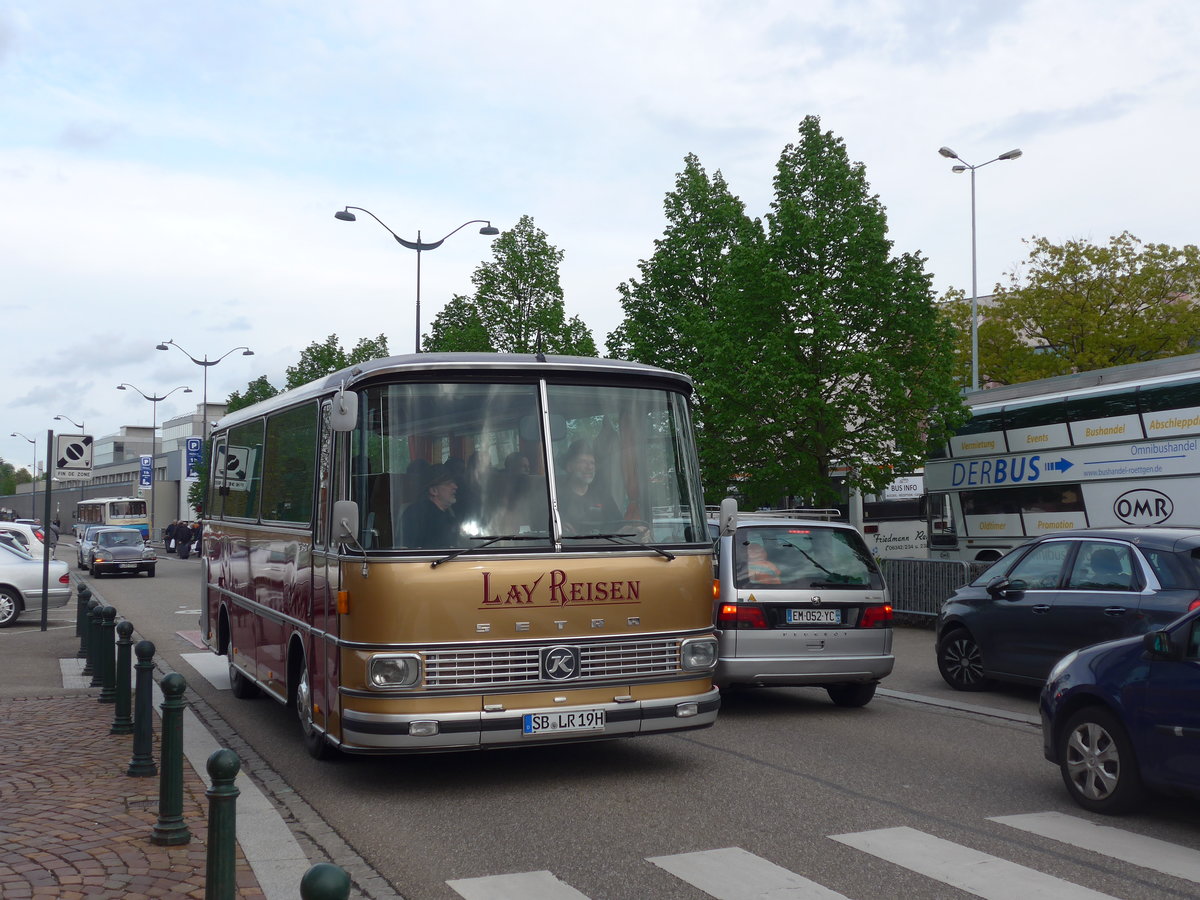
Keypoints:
pixel 1061 665
pixel 101 556
pixel 391 671
pixel 698 654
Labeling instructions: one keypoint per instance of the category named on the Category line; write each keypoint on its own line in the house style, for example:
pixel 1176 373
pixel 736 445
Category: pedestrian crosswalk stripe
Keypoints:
pixel 1151 853
pixel 962 867
pixel 214 669
pixel 736 874
pixel 520 886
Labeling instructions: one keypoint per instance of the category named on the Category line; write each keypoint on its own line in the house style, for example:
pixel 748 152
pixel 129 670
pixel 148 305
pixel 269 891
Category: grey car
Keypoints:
pixel 83 550
pixel 21 584
pixel 799 602
pixel 120 550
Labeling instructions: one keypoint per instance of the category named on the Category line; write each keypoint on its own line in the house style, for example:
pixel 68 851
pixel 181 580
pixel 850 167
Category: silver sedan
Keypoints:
pixel 21 584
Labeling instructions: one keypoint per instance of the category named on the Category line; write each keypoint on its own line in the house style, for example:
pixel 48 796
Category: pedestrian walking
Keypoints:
pixel 183 539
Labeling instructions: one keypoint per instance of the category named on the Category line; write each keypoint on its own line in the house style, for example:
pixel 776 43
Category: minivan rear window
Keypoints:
pixel 803 555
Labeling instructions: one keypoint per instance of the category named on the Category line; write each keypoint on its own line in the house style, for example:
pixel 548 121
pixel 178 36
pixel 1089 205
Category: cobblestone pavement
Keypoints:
pixel 73 824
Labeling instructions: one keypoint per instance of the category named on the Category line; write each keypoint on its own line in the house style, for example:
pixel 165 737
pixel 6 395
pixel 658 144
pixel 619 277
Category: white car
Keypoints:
pixel 21 584
pixel 31 536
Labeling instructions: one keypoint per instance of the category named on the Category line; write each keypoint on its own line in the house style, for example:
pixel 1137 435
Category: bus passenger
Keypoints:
pixel 582 504
pixel 430 522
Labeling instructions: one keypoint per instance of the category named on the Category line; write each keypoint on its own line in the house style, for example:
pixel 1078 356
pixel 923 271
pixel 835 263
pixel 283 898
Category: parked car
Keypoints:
pixel 21 584
pixel 1062 592
pixel 32 537
pixel 1122 717
pixel 117 550
pixel 799 602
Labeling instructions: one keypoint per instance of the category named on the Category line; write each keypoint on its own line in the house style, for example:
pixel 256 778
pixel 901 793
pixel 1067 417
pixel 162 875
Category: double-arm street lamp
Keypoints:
pixel 154 399
pixel 967 167
pixel 346 216
pixel 32 481
pixel 63 418
pixel 206 363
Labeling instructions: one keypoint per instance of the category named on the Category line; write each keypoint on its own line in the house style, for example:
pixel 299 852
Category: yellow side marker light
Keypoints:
pixel 343 603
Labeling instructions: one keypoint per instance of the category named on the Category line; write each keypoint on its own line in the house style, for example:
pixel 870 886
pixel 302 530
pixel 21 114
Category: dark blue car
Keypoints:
pixel 1123 717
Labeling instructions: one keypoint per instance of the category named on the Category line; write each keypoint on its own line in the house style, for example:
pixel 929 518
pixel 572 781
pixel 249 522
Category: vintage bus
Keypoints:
pixel 1117 446
pixel 452 551
pixel 126 511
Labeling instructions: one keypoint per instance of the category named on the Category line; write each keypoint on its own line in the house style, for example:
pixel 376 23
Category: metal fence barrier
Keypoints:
pixel 918 586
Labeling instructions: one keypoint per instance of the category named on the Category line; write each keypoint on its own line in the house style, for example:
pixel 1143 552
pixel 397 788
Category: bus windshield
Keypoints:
pixel 523 466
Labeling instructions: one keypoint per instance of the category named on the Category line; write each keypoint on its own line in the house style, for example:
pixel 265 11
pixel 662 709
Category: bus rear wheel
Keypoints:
pixel 314 739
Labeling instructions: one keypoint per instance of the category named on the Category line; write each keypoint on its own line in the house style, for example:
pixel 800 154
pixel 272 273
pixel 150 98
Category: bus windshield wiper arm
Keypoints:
pixel 619 539
pixel 488 540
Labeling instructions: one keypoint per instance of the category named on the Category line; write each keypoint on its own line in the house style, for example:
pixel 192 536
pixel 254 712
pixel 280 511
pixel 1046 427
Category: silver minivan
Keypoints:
pixel 799 602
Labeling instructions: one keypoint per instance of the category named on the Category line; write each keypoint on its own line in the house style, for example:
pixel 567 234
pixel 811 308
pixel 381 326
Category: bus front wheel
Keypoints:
pixel 314 739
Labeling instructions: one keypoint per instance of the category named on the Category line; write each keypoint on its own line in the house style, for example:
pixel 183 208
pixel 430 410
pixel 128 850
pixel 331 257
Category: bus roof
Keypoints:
pixel 1156 371
pixel 451 364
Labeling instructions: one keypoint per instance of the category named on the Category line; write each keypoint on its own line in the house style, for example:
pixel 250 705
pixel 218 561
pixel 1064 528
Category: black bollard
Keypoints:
pixel 83 595
pixel 141 764
pixel 89 667
pixel 108 670
pixel 170 829
pixel 220 878
pixel 122 718
pixel 325 881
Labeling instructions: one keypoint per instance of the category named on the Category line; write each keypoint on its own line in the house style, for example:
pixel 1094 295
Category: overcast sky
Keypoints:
pixel 171 170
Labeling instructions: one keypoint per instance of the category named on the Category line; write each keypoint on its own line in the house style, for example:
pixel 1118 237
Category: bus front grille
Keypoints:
pixel 507 666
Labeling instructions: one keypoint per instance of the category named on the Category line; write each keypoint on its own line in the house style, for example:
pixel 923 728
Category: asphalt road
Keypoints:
pixel 793 781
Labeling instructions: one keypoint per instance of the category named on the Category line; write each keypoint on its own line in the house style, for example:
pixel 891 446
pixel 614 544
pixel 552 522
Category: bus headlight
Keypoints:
pixel 392 671
pixel 698 654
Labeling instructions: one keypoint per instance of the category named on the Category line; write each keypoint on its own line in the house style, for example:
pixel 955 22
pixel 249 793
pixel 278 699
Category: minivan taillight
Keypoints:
pixel 875 616
pixel 739 616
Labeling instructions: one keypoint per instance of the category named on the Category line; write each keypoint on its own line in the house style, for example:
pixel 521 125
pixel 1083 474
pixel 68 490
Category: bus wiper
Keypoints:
pixel 488 540
pixel 619 539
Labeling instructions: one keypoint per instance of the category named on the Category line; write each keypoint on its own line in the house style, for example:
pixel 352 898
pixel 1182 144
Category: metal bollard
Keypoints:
pixel 141 764
pixel 220 875
pixel 122 718
pixel 89 667
pixel 83 594
pixel 108 665
pixel 325 881
pixel 170 829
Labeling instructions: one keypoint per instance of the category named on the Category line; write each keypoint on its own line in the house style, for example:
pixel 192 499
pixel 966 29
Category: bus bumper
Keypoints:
pixel 364 732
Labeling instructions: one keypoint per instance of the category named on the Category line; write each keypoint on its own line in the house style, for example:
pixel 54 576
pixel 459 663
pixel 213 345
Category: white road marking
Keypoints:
pixel 737 874
pixel 214 669
pixel 520 886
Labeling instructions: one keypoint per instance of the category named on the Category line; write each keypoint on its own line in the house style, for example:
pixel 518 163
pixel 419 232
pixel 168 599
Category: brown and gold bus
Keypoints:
pixel 453 551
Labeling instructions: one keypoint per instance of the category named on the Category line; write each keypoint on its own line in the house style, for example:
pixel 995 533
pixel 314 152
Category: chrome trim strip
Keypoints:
pixel 559 638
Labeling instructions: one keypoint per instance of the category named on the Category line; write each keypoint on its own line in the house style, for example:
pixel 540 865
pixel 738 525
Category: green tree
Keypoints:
pixel 817 348
pixel 1078 306
pixel 518 302
pixel 257 390
pixel 8 480
pixel 319 359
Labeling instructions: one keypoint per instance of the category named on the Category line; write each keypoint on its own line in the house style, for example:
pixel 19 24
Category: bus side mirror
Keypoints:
pixel 345 522
pixel 727 518
pixel 344 412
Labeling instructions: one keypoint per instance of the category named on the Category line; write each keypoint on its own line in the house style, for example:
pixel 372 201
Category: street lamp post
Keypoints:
pixel 346 216
pixel 32 481
pixel 153 435
pixel 959 169
pixel 63 418
pixel 206 362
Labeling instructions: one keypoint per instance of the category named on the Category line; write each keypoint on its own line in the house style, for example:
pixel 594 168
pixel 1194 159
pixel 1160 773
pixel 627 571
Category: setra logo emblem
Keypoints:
pixel 1143 506
pixel 560 663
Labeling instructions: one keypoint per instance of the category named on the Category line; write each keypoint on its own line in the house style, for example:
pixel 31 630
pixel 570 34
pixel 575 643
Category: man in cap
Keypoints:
pixel 430 522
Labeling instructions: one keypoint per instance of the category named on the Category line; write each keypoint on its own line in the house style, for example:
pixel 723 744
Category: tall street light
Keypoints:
pixel 206 362
pixel 63 418
pixel 154 399
pixel 967 167
pixel 346 216
pixel 32 481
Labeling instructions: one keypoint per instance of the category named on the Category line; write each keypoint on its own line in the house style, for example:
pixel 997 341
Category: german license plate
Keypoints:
pixel 564 721
pixel 127 566
pixel 814 617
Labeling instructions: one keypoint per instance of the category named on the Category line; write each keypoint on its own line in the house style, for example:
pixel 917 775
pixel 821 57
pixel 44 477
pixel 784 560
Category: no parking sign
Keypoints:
pixel 73 455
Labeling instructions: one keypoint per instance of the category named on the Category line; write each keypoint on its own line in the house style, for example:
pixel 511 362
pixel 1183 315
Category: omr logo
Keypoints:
pixel 1143 507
